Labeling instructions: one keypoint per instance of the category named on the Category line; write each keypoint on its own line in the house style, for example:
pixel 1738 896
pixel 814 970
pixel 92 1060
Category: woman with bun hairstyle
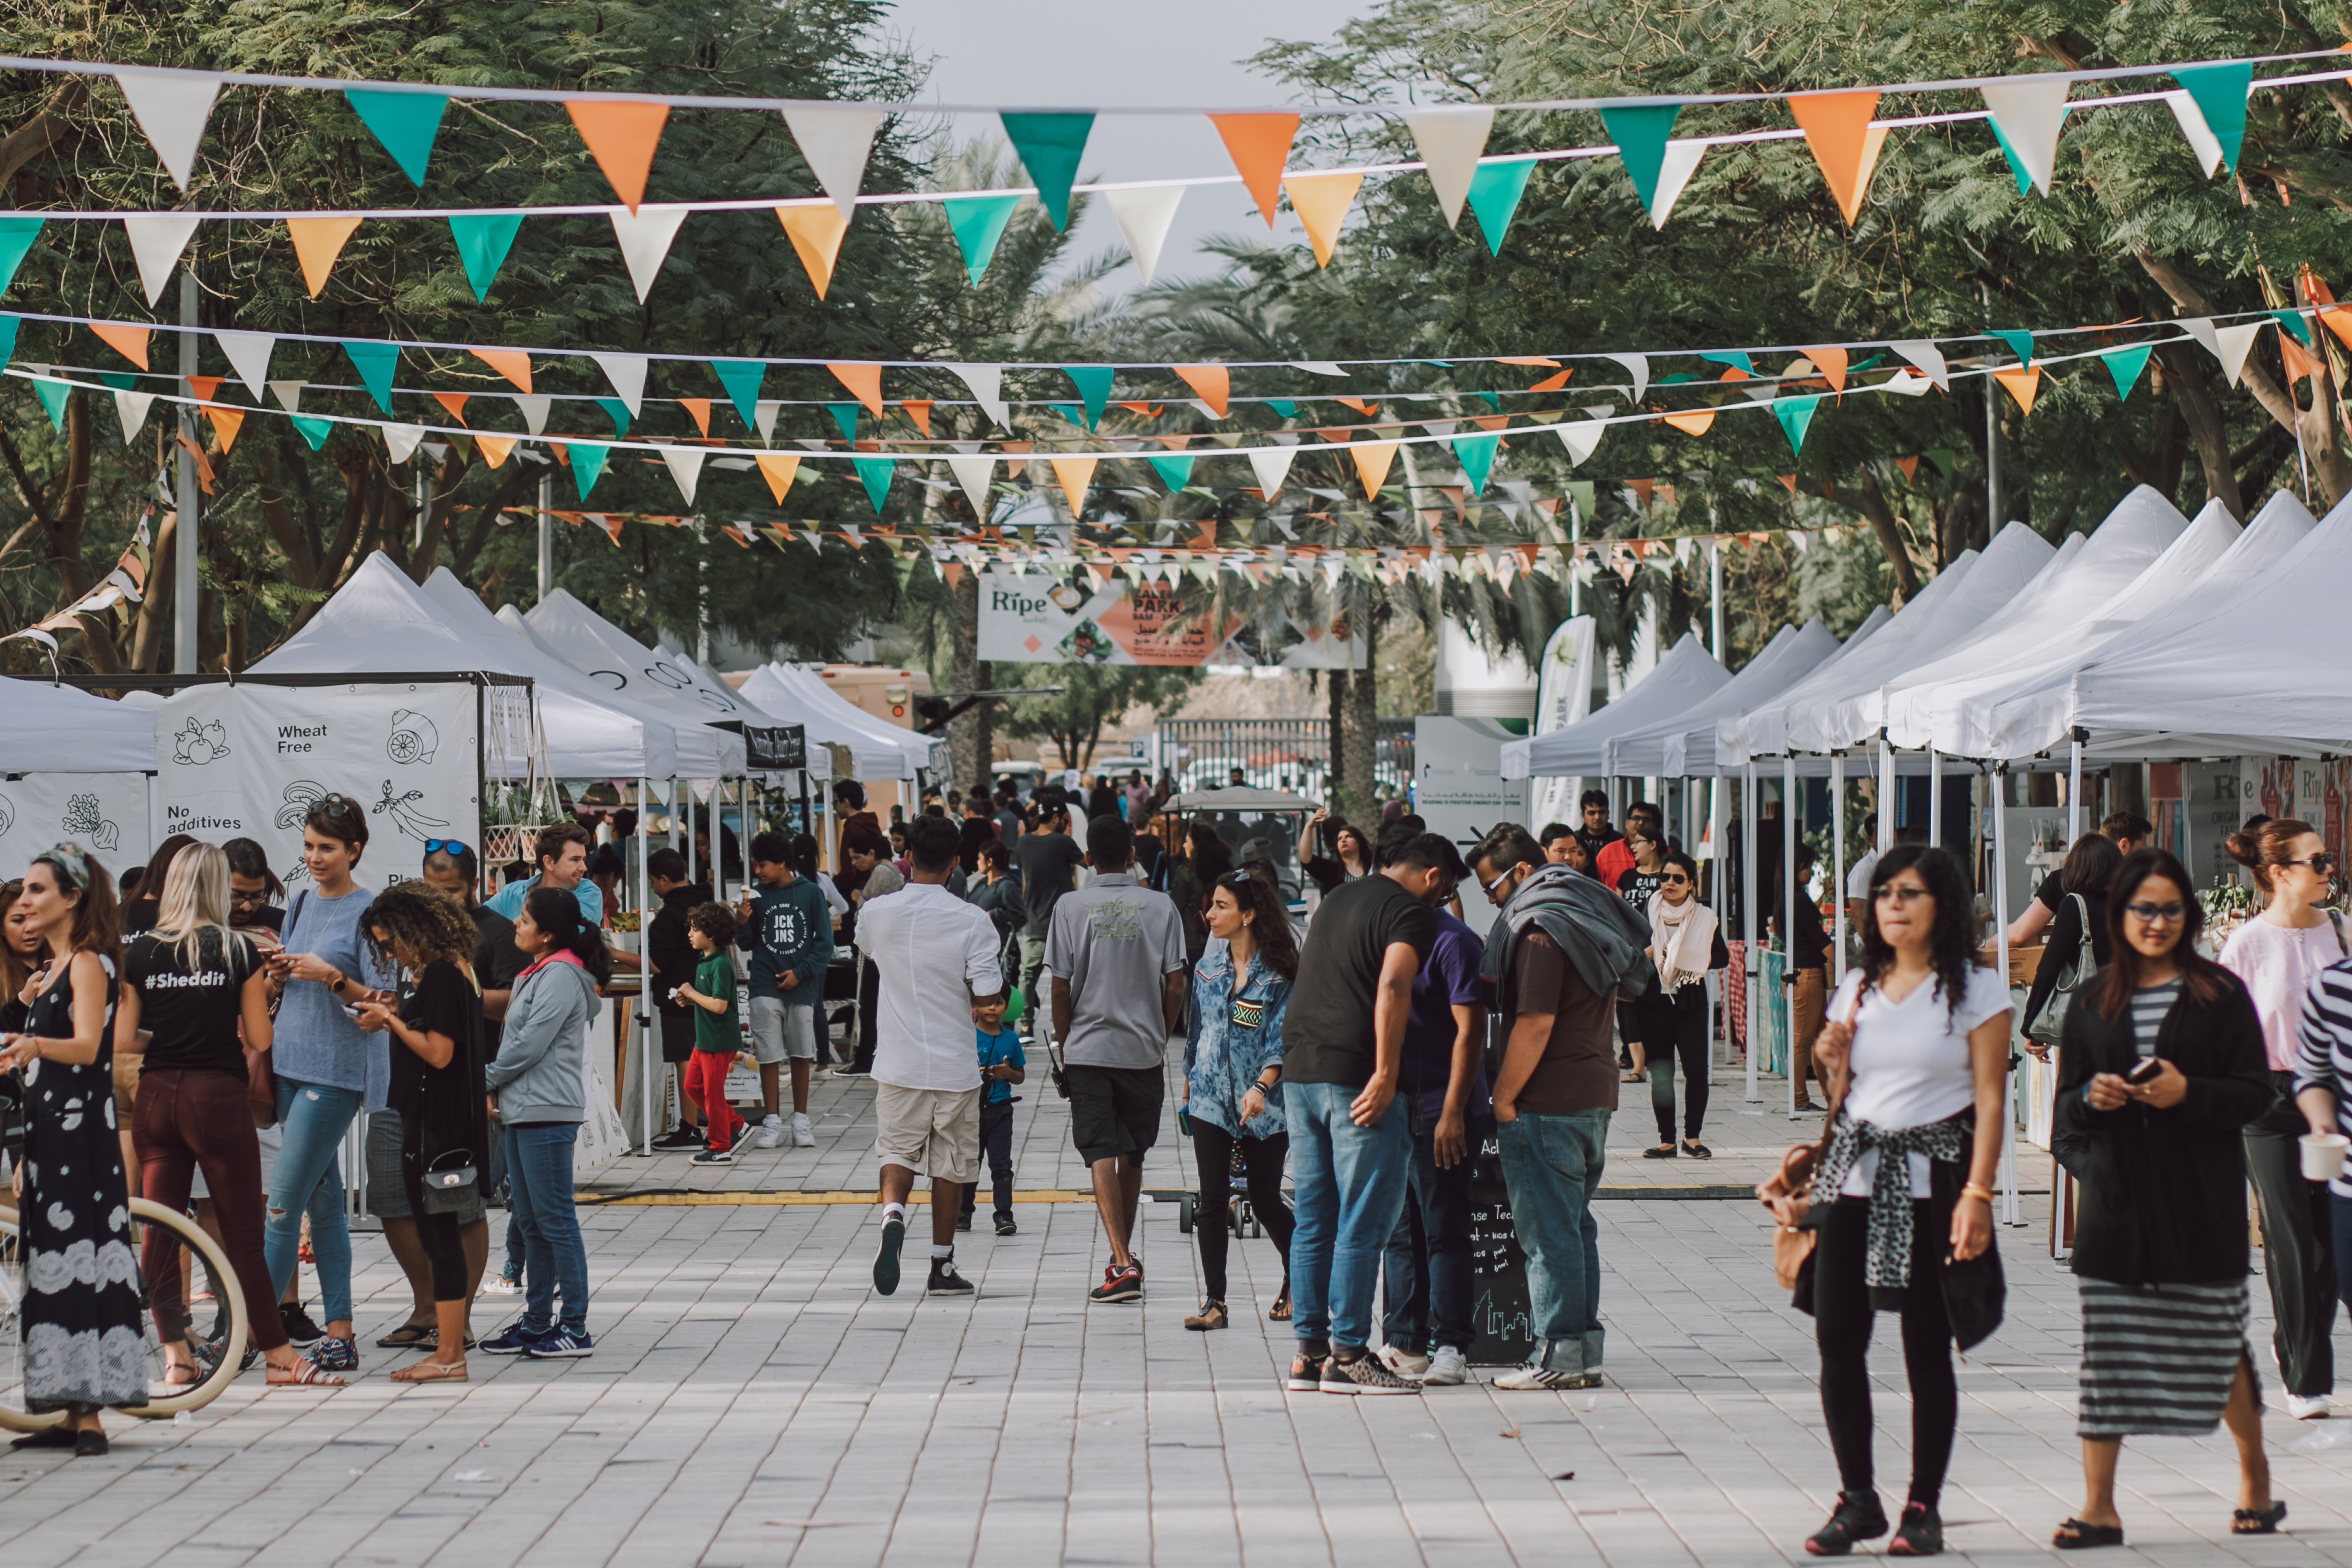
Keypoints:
pixel 2276 954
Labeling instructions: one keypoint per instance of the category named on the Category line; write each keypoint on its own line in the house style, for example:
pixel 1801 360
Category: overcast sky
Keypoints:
pixel 1051 54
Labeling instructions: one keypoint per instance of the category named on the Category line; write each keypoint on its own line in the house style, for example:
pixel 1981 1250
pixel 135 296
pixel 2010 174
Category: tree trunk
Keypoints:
pixel 1363 718
pixel 1870 501
pixel 1335 692
pixel 156 607
pixel 970 744
pixel 2209 436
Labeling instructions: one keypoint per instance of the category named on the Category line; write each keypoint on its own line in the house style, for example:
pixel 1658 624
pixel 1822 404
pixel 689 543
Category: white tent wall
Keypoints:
pixel 48 729
pixel 106 814
pixel 1686 675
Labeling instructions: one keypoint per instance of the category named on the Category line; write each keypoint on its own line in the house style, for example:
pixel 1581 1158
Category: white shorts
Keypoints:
pixel 934 1132
pixel 781 1031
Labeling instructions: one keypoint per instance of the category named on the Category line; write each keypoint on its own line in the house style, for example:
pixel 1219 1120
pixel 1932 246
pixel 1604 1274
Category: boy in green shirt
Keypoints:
pixel 718 1026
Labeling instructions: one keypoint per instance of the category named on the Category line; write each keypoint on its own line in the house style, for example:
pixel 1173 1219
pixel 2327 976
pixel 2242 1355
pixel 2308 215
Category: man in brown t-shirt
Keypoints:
pixel 1553 1094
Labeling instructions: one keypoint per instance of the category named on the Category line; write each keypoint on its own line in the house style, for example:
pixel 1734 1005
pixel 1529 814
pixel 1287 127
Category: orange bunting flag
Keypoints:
pixel 778 470
pixel 954 571
pixel 2299 362
pixel 698 409
pixel 919 411
pixel 1553 383
pixel 317 242
pixel 512 364
pixel 621 137
pixel 1788 482
pixel 1693 421
pixel 2022 381
pixel 494 448
pixel 204 386
pixel 863 382
pixel 1148 410
pixel 128 342
pixel 1213 382
pixel 1910 469
pixel 1321 202
pixel 1074 475
pixel 1367 409
pixel 455 402
pixel 1259 143
pixel 1642 489
pixel 1844 143
pixel 1336 436
pixel 1830 362
pixel 226 424
pixel 1372 460
pixel 2337 318
pixel 815 233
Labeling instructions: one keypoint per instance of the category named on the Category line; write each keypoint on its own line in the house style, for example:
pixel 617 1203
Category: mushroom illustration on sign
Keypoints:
pixel 196 742
pixel 7 815
pixel 299 797
pixel 84 820
pixel 405 814
pixel 414 738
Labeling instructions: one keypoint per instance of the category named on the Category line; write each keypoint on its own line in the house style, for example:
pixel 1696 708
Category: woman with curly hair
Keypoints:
pixel 438 1088
pixel 1917 1059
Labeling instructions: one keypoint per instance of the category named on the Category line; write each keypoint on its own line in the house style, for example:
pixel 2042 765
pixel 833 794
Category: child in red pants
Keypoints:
pixel 718 1026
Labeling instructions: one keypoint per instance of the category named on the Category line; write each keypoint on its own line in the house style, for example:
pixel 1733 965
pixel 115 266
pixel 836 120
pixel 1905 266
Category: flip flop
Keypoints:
pixel 409 1336
pixel 2257 1520
pixel 2087 1535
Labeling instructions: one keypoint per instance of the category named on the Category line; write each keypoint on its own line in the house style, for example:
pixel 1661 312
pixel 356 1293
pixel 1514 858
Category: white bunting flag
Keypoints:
pixel 534 407
pixel 170 108
pixel 1272 467
pixel 1319 367
pixel 2029 111
pixel 1675 171
pixel 763 419
pixel 1928 358
pixel 1450 139
pixel 686 467
pixel 400 441
pixel 2230 345
pixel 1144 214
pixel 156 241
pixel 2192 120
pixel 132 406
pixel 987 383
pixel 248 353
pixel 1638 365
pixel 835 142
pixel 644 237
pixel 627 374
pixel 975 475
pixel 288 395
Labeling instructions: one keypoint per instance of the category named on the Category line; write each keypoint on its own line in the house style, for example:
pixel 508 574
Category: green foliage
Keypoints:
pixel 1092 696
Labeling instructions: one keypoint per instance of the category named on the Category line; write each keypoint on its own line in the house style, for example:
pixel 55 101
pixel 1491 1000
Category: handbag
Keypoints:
pixel 1794 1242
pixel 2050 1023
pixel 449 1182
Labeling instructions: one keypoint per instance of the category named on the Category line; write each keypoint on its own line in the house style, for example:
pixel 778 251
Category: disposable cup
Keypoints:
pixel 2322 1155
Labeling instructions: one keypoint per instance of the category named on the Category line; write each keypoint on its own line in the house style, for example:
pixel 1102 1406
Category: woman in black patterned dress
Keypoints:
pixel 84 1347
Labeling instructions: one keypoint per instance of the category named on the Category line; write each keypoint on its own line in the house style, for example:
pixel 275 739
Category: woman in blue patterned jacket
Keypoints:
pixel 1233 1075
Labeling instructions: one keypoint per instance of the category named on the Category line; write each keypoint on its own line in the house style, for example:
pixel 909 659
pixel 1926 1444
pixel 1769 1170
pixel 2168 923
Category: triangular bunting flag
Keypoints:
pixel 587 463
pixel 248 355
pixel 978 223
pixel 375 363
pixel 454 401
pixel 1638 366
pixel 1175 471
pixel 845 415
pixel 2022 381
pixel 156 241
pixel 2293 322
pixel 512 364
pixel 289 394
pixel 815 233
pixel 2202 144
pixel 685 468
pixel 2218 92
pixel 644 240
pixel 482 244
pixel 2020 343
pixel 779 468
pixel 1372 460
pixel 1477 456
pixel 1215 383
pixel 53 395
pixel 834 143
pixel 1144 214
pixel 620 136
pixel 2230 345
pixel 763 416
pixel 131 408
pixel 1830 362
pixel 699 410
pixel 863 382
pixel 2027 112
pixel 617 412
pixel 1581 439
pixel 124 339
pixel 627 374
pixel 1321 202
pixel 403 123
pixel 1495 192
pixel 874 473
pixel 314 431
pixel 400 441
pixel 1692 421
pixel 1910 469
pixel 317 242
pixel 987 383
pixel 1092 382
pixel 742 378
pixel 1796 416
pixel 2125 365
pixel 975 474
pixel 1450 140
pixel 918 409
pixel 1929 358
pixel 1049 146
pixel 1258 145
pixel 1272 467
pixel 201 386
pixel 1844 143
pixel 16 236
pixel 1676 167
pixel 1639 131
pixel 495 448
pixel 171 108
pixel 1074 475
pixel 534 410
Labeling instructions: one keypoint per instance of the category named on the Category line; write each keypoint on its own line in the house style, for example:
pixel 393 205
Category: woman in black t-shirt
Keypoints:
pixel 200 994
pixel 1637 886
pixel 436 1086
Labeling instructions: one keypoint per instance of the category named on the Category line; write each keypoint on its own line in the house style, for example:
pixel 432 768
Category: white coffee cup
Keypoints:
pixel 2322 1155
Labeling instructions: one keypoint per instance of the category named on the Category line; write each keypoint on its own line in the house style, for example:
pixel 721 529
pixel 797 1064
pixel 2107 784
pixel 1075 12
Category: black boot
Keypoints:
pixel 1858 1518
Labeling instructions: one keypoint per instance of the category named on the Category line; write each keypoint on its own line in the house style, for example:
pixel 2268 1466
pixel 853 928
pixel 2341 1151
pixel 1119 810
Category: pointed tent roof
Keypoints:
pixel 877 749
pixel 1683 745
pixel 1686 676
pixel 1623 755
pixel 56 729
pixel 581 637
pixel 378 616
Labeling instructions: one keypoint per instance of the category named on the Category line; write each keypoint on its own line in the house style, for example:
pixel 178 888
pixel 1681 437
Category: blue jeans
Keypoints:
pixel 539 1166
pixel 1349 1188
pixel 1428 1276
pixel 308 1178
pixel 1553 1166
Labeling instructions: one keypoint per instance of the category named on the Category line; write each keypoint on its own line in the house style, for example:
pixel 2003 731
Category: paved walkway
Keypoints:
pixel 752 1401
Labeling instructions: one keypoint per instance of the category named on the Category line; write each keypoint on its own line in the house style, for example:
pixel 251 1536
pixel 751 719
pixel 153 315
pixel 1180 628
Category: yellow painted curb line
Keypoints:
pixel 791 1200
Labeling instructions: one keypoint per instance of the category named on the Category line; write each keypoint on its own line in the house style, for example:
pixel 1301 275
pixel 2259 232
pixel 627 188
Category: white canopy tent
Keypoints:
pixel 1686 676
pixel 877 750
pixel 1684 746
pixel 48 729
pixel 380 619
pixel 579 636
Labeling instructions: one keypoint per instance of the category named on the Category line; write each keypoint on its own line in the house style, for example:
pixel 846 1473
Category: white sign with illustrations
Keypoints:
pixel 249 760
pixel 105 814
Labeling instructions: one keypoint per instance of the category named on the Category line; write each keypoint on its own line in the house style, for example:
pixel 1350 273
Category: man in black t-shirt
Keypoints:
pixel 1595 834
pixel 1046 859
pixel 1351 1133
pixel 452 868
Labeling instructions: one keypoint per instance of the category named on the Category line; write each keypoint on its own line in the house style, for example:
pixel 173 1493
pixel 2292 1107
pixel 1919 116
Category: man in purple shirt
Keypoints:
pixel 1427 1272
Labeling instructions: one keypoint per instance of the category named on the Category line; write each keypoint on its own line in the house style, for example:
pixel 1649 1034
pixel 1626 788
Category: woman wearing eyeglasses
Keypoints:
pixel 2160 1067
pixel 1685 941
pixel 1637 885
pixel 2276 954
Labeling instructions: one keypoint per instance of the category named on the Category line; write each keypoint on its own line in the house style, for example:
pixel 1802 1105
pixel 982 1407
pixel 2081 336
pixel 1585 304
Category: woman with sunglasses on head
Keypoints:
pixel 2160 1067
pixel 1920 1039
pixel 1231 1093
pixel 1685 941
pixel 1637 885
pixel 2276 954
pixel 327 1069
pixel 83 1349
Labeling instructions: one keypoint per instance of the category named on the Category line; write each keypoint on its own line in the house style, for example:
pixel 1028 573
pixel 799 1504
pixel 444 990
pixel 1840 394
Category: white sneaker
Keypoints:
pixel 772 1133
pixel 1404 1362
pixel 1448 1367
pixel 1533 1376
pixel 2314 1407
pixel 802 1137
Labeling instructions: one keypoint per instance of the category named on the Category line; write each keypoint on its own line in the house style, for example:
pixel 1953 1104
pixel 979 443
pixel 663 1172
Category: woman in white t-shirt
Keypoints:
pixel 1917 1052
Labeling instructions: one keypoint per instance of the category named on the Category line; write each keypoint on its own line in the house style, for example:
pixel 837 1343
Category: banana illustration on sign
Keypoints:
pixel 414 738
pixel 402 808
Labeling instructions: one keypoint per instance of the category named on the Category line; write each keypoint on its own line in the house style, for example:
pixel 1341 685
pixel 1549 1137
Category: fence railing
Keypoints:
pixel 1274 753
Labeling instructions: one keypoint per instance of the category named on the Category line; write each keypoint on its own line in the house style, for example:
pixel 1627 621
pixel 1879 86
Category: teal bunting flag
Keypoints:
pixel 1477 456
pixel 1639 131
pixel 1495 192
pixel 375 363
pixel 8 325
pixel 978 223
pixel 845 415
pixel 2023 176
pixel 587 463
pixel 742 378
pixel 1175 471
pixel 618 412
pixel 2293 321
pixel 1092 382
pixel 482 246
pixel 2125 365
pixel 874 473
pixel 1283 406
pixel 16 236
pixel 1050 146
pixel 312 430
pixel 1796 416
pixel 1490 400
pixel 2020 343
pixel 405 122
pixel 52 394
pixel 1736 358
pixel 118 380
pixel 2220 91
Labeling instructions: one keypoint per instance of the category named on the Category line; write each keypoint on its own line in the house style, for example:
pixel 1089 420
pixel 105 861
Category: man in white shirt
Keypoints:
pixel 936 956
pixel 1858 874
pixel 1116 951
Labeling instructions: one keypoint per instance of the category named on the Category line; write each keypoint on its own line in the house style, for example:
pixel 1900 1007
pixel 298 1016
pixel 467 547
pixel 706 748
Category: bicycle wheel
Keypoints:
pixel 187 1293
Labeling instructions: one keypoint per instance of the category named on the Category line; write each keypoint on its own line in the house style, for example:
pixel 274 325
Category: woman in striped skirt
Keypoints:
pixel 2159 1067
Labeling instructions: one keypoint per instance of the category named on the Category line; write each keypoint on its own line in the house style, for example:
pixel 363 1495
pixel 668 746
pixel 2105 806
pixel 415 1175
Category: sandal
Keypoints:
pixel 2074 1536
pixel 1633 1078
pixel 181 1374
pixel 1696 1150
pixel 1280 1311
pixel 2257 1520
pixel 409 1337
pixel 304 1373
pixel 432 1372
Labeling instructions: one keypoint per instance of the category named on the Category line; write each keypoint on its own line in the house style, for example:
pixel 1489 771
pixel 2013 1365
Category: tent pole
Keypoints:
pixel 1886 794
pixel 1934 797
pixel 2074 786
pixel 1790 805
pixel 1747 911
pixel 650 1059
pixel 1837 861
pixel 2000 965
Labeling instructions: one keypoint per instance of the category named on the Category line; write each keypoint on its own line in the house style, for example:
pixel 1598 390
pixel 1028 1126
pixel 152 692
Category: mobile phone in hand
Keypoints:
pixel 2144 1069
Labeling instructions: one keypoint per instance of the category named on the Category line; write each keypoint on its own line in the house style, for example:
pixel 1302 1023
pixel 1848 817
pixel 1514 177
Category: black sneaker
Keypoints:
pixel 1920 1533
pixel 963 1221
pixel 680 1138
pixel 1120 1284
pixel 1859 1516
pixel 714 1157
pixel 300 1332
pixel 945 1280
pixel 852 1071
pixel 1305 1370
pixel 1004 1225
pixel 885 1261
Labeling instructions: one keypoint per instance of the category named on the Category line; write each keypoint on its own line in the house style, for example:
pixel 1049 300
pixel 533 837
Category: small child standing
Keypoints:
pixel 718 1028
pixel 1001 1067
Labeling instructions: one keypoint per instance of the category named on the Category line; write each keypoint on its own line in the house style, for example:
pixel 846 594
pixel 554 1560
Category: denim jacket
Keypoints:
pixel 1223 1054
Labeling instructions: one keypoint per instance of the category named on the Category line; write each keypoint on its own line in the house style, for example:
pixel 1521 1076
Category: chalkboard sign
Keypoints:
pixel 1500 1313
pixel 771 748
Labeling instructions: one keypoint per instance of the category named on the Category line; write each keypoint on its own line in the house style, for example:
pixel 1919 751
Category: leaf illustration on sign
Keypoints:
pixel 414 738
pixel 84 820
pixel 197 743
pixel 405 814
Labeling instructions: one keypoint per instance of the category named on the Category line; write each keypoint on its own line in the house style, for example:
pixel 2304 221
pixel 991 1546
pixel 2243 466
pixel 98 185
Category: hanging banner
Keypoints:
pixel 105 814
pixel 1036 618
pixel 1563 697
pixel 775 748
pixel 249 760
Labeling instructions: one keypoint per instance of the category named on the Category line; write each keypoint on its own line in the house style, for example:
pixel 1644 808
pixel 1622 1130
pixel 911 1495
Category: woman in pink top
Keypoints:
pixel 2278 954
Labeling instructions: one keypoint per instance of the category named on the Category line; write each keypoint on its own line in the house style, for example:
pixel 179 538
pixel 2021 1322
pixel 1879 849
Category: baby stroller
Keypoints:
pixel 1240 1213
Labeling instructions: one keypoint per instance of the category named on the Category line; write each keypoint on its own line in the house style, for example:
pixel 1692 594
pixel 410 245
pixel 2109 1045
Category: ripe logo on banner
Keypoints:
pixel 1031 618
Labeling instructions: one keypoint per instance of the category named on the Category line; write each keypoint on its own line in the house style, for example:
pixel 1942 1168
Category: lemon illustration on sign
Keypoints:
pixel 414 738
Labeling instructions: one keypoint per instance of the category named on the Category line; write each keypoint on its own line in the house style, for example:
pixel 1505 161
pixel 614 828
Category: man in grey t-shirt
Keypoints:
pixel 1116 951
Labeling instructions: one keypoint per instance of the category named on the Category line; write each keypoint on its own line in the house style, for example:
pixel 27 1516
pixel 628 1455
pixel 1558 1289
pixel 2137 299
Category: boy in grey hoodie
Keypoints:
pixel 787 936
